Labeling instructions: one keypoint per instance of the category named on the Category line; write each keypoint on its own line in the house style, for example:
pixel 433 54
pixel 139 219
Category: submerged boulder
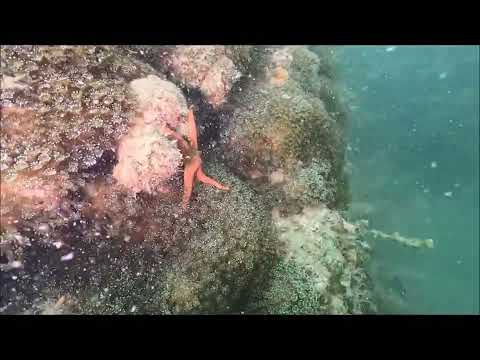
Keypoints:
pixel 91 215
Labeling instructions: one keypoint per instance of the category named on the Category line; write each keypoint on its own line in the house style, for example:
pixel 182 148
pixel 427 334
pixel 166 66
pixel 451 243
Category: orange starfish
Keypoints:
pixel 193 162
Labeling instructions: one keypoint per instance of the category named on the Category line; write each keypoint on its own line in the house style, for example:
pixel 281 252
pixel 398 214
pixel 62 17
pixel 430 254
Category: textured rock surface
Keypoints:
pixel 321 271
pixel 91 220
pixel 281 132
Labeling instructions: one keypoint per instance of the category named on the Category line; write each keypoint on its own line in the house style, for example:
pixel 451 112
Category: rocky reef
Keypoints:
pixel 282 135
pixel 92 182
pixel 321 269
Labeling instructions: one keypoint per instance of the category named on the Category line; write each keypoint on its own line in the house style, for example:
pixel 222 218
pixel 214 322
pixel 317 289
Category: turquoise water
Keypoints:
pixel 413 150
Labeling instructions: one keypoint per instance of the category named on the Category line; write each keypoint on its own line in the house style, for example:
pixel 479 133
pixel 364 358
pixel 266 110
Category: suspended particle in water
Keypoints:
pixel 433 164
pixel 16 264
pixel 58 244
pixel 43 228
pixel 67 257
pixel 448 194
pixel 442 76
pixel 390 48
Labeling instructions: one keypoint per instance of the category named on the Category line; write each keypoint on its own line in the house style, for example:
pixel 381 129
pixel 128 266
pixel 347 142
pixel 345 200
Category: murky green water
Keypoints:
pixel 414 154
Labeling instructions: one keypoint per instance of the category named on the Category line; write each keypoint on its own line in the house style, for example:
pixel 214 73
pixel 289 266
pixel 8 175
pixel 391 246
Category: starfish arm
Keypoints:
pixel 202 177
pixel 169 133
pixel 189 179
pixel 192 129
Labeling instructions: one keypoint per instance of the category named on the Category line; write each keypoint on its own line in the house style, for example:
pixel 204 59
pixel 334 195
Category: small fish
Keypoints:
pixel 442 76
pixel 390 48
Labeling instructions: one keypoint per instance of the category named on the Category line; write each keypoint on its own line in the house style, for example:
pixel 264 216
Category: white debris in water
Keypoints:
pixel 390 48
pixel 433 165
pixel 448 194
pixel 67 257
pixel 442 76
pixel 133 309
pixel 15 264
pixel 43 227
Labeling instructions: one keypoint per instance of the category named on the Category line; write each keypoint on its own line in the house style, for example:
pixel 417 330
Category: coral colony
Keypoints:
pixel 105 154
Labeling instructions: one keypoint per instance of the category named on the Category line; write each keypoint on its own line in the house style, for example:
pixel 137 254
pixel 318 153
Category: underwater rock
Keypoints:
pixel 212 70
pixel 72 115
pixel 280 126
pixel 321 270
pixel 61 126
pixel 64 110
pixel 228 255
pixel 147 159
pixel 93 222
pixel 207 68
pixel 210 264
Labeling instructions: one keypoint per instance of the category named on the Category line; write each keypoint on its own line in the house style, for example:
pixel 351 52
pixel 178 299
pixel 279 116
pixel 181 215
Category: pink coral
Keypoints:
pixel 159 101
pixel 146 158
pixel 206 68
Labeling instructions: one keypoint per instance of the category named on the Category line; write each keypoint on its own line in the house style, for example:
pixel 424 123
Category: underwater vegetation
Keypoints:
pixel 99 209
